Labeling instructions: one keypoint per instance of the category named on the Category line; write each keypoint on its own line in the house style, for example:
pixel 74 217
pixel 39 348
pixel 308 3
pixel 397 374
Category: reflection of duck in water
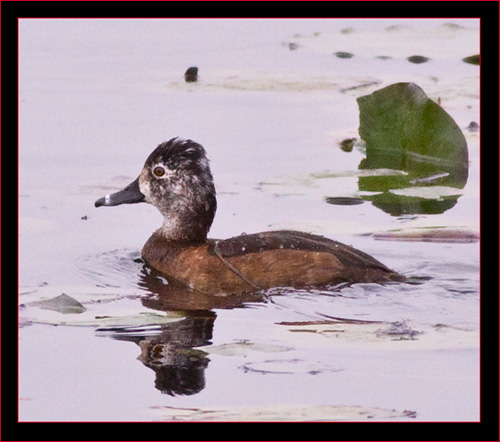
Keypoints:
pixel 176 178
pixel 170 352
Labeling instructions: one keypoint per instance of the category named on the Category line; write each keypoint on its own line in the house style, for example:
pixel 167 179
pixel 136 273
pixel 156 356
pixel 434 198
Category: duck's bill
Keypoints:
pixel 129 195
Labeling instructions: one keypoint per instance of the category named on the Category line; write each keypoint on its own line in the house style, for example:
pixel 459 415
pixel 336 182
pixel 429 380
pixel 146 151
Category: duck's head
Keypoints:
pixel 176 179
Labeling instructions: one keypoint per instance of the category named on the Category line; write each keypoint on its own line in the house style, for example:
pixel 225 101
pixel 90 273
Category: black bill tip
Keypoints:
pixel 129 195
pixel 101 201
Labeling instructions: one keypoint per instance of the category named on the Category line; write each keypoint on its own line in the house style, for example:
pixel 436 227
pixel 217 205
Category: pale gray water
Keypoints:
pixel 271 106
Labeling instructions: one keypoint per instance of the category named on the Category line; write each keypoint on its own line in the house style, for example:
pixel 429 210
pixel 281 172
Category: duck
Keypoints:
pixel 177 180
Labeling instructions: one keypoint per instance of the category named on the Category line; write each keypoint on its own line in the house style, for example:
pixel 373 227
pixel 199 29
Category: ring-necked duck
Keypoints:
pixel 176 179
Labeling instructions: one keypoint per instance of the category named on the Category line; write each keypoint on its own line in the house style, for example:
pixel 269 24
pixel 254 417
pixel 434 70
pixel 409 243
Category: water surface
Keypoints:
pixel 272 105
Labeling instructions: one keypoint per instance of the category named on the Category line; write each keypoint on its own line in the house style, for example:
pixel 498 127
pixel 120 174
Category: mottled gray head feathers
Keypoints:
pixel 176 178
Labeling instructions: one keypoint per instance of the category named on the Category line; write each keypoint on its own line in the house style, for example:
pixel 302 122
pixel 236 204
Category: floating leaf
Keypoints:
pixel 62 304
pixel 244 347
pixel 429 234
pixel 342 54
pixel 473 59
pixel 280 412
pixel 418 59
pixel 405 130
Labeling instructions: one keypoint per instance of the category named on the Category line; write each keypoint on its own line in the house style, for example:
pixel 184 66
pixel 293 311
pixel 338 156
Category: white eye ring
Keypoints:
pixel 158 171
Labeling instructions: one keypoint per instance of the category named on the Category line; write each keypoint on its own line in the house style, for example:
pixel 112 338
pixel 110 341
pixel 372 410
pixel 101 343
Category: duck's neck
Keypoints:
pixel 186 231
pixel 187 217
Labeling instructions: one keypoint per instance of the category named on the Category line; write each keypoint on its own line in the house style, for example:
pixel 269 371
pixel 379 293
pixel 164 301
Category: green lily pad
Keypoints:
pixel 405 130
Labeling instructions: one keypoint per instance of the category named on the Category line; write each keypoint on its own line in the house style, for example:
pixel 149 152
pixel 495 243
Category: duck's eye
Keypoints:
pixel 159 171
